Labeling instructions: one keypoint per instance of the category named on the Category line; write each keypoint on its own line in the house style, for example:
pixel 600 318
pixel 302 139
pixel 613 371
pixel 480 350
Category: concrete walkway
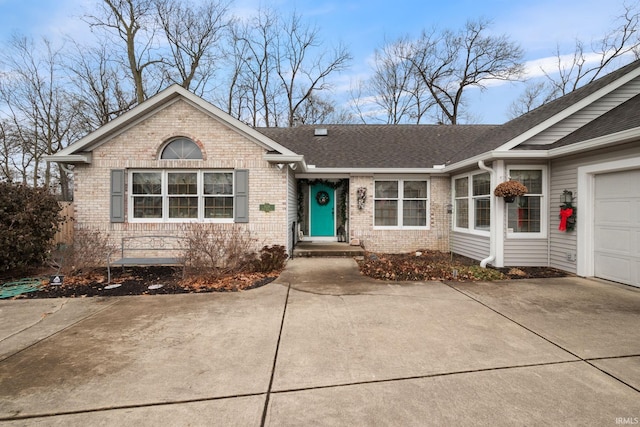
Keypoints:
pixel 325 346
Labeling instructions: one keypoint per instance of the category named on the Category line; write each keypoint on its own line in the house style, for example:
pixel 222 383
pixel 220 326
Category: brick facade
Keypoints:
pixel 139 146
pixel 398 241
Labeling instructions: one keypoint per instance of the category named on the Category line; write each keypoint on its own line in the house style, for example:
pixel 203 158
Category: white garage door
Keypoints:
pixel 617 227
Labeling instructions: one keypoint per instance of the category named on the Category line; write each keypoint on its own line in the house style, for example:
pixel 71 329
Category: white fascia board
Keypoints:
pixel 579 147
pixel 368 171
pixel 498 155
pixel 296 159
pixel 600 142
pixel 323 176
pixel 282 158
pixel 71 158
pixel 569 111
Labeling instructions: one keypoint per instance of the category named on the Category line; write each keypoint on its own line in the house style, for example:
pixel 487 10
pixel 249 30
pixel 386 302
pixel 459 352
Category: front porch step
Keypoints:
pixel 326 249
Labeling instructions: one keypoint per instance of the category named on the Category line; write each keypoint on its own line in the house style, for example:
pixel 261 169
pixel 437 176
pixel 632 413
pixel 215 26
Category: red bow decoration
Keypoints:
pixel 565 213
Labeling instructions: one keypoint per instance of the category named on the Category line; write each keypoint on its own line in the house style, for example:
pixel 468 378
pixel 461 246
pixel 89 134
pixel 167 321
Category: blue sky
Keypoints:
pixel 363 25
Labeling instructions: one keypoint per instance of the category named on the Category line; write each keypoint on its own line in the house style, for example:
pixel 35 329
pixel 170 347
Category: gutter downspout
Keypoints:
pixel 492 233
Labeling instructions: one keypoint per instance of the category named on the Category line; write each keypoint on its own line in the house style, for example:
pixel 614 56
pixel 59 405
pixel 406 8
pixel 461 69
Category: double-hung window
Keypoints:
pixel 174 195
pixel 402 203
pixel 182 195
pixel 218 194
pixel 481 194
pixel 472 202
pixel 525 214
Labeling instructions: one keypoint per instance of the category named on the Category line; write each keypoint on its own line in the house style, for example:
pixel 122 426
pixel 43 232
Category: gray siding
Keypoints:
pixel 584 116
pixel 564 175
pixel 470 245
pixel 526 252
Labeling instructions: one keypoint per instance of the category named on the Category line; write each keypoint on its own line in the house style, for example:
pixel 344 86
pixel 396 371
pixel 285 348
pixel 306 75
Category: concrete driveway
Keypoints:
pixel 325 346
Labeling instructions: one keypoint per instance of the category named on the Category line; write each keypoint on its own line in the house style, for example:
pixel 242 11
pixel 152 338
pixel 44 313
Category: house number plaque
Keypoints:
pixel 267 207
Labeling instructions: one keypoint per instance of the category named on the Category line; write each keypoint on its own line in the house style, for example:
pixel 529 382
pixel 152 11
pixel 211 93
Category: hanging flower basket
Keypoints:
pixel 510 190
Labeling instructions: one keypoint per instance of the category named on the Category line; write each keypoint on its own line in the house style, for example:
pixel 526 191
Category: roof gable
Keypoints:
pixel 80 150
pixel 522 128
pixel 622 118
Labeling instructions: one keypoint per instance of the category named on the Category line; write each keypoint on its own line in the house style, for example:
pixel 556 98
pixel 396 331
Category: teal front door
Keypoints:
pixel 322 210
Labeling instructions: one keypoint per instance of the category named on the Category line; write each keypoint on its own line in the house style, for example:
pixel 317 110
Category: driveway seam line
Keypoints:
pixel 585 360
pixel 59 331
pixel 426 376
pixel 275 359
pixel 613 357
pixel 37 322
pixel 516 322
pixel 121 407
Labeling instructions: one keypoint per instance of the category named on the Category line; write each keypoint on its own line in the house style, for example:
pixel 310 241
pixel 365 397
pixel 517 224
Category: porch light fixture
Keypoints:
pixel 566 198
pixel 281 166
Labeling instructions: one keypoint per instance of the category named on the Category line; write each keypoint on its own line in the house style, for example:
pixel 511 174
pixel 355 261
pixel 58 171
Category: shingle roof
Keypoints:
pixel 377 146
pixel 423 146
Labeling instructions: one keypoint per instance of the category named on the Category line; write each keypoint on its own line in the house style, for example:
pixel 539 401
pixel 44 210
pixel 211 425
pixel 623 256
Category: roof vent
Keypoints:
pixel 321 132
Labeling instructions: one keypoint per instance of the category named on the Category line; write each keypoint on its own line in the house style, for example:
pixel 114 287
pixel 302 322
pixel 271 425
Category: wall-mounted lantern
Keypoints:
pixel 567 212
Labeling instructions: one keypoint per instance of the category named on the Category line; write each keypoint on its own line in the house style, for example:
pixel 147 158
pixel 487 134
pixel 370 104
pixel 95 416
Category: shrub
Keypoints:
pixel 87 253
pixel 216 250
pixel 29 219
pixel 272 258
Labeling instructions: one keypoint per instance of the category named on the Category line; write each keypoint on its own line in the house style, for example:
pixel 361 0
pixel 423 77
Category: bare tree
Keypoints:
pixel 534 93
pixel 9 151
pixel 315 110
pixel 38 109
pixel 256 68
pixel 585 64
pixel 99 86
pixel 133 22
pixel 277 67
pixel 449 62
pixel 394 89
pixel 193 32
pixel 237 98
pixel 302 71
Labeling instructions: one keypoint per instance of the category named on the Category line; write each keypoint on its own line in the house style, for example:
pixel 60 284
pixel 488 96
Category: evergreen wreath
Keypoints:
pixel 322 197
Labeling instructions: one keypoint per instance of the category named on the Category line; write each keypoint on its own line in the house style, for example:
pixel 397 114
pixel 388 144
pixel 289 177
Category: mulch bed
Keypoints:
pixel 433 265
pixel 152 280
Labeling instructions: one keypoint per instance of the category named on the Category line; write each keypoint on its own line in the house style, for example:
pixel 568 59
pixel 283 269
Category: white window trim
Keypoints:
pixel 165 196
pixel 544 207
pixel 400 204
pixel 471 206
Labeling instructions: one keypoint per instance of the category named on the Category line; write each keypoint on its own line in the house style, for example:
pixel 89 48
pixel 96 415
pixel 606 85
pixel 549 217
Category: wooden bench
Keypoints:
pixel 148 250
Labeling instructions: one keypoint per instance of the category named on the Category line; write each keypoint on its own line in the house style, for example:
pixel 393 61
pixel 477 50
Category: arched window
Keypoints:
pixel 181 149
